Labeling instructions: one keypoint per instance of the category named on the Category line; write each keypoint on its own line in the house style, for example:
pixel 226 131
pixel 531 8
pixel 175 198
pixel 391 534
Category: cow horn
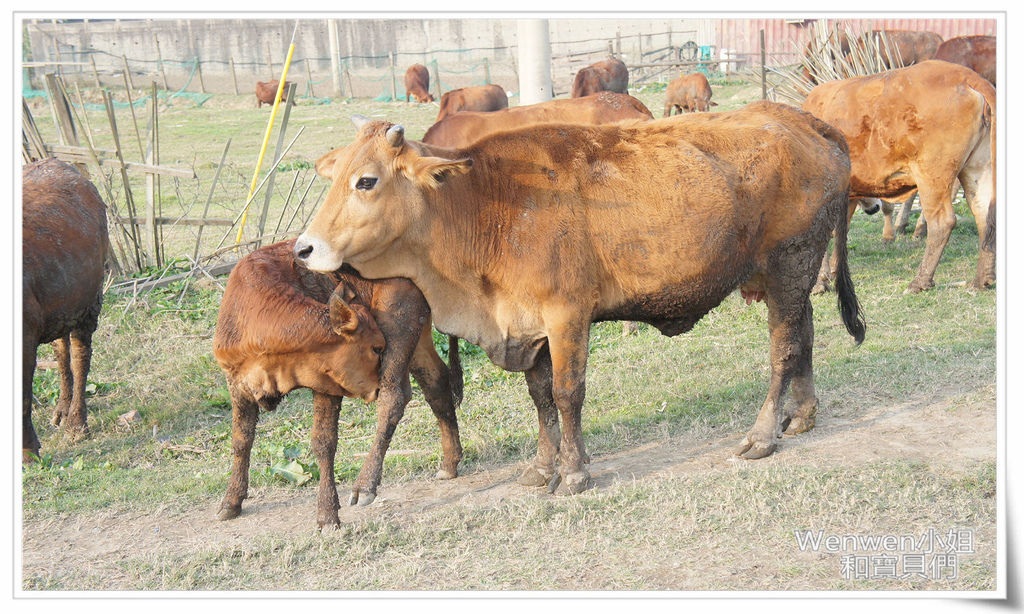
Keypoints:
pixel 395 135
pixel 360 121
pixel 343 318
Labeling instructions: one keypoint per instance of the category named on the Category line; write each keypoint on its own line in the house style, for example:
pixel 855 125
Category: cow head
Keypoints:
pixel 355 363
pixel 379 188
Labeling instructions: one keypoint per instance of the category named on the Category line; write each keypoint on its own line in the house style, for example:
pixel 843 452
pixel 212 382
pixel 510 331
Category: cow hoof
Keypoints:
pixel 577 482
pixel 533 477
pixel 753 450
pixel 445 474
pixel 799 424
pixel 918 286
pixel 362 499
pixel 819 288
pixel 228 512
pixel 329 523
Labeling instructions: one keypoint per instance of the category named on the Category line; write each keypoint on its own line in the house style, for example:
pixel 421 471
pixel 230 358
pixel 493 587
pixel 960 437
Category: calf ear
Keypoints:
pixel 325 165
pixel 433 172
pixel 343 319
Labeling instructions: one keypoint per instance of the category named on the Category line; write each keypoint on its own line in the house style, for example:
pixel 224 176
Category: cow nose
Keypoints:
pixel 303 250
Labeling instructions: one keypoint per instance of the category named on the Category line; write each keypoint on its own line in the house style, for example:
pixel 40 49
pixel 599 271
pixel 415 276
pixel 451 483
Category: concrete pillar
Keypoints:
pixel 534 61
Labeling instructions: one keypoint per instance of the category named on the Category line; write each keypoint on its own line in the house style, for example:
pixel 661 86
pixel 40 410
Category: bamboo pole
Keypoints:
pixel 135 120
pixel 277 154
pixel 152 239
pixel 199 72
pixel 129 200
pixel 270 127
pixel 160 63
pixel 95 73
pixel 234 78
pixel 127 72
pixel 309 80
pixel 394 92
pixel 209 198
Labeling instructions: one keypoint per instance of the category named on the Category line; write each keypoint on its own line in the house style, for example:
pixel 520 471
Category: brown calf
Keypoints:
pixel 265 92
pixel 609 75
pixel 688 93
pixel 64 245
pixel 283 327
pixel 417 83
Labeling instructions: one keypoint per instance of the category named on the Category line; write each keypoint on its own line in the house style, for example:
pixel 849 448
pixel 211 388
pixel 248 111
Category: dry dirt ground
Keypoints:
pixel 952 428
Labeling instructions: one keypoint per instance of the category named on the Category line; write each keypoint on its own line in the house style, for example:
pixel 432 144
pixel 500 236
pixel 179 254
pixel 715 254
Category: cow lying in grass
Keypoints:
pixel 282 327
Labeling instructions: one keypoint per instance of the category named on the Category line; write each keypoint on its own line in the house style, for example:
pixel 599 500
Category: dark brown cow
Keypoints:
pixel 975 52
pixel 522 240
pixel 609 75
pixel 477 98
pixel 64 246
pixel 461 129
pixel 921 128
pixel 274 335
pixel 909 47
pixel 417 83
pixel 265 92
pixel 688 93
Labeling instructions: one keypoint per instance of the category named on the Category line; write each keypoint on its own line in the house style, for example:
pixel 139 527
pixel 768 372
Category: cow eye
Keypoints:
pixel 366 183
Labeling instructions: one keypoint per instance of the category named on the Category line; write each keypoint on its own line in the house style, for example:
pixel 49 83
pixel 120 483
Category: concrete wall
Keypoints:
pixel 458 45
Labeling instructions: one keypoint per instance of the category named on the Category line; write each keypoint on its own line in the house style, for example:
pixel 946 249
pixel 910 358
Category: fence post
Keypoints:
pixel 764 78
pixel 437 79
pixel 152 240
pixel 127 72
pixel 309 80
pixel 234 77
pixel 270 64
pixel 394 87
pixel 95 73
pixel 348 80
pixel 269 190
pixel 160 63
pixel 199 72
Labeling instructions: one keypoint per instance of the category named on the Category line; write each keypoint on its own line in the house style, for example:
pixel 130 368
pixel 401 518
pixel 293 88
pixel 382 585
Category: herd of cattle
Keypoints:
pixel 517 228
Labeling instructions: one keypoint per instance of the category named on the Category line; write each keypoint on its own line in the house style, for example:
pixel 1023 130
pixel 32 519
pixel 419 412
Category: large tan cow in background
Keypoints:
pixel 522 240
pixel 476 98
pixel 921 128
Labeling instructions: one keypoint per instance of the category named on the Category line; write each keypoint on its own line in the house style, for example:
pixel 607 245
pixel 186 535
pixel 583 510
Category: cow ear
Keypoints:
pixel 325 165
pixel 343 319
pixel 435 171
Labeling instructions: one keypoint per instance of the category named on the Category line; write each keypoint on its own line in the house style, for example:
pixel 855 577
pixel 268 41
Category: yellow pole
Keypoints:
pixel 266 136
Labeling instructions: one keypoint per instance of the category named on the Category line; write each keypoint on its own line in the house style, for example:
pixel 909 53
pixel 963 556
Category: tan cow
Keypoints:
pixel 921 128
pixel 265 92
pixel 609 75
pixel 463 128
pixel 476 98
pixel 688 93
pixel 522 240
pixel 417 83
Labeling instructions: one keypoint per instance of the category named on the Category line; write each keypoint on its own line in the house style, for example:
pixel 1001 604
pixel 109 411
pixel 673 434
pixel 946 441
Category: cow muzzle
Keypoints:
pixel 316 255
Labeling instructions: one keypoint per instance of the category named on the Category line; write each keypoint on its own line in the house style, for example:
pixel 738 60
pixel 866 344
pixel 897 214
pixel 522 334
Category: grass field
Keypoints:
pixel 905 439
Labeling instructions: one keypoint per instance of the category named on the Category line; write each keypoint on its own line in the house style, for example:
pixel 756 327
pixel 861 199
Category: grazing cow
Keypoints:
pixel 461 129
pixel 417 83
pixel 522 240
pixel 64 246
pixel 975 52
pixel 477 98
pixel 688 93
pixel 265 92
pixel 609 75
pixel 283 327
pixel 921 128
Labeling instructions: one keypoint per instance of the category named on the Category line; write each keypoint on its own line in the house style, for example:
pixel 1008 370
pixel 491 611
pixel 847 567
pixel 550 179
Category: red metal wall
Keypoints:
pixel 785 41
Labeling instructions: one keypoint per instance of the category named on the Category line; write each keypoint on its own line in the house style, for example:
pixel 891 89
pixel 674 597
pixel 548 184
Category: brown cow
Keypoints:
pixel 609 75
pixel 476 98
pixel 908 47
pixel 461 129
pixel 265 92
pixel 921 128
pixel 64 246
pixel 274 335
pixel 975 52
pixel 688 93
pixel 417 83
pixel 522 240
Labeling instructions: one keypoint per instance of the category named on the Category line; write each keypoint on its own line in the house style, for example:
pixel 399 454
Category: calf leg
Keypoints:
pixel 75 420
pixel 325 446
pixel 937 209
pixel 29 441
pixel 538 381
pixel 888 232
pixel 900 224
pixel 431 374
pixel 394 396
pixel 244 414
pixel 62 352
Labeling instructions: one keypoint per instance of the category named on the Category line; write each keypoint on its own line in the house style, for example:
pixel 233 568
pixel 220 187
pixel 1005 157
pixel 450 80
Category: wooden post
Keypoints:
pixel 206 209
pixel 152 242
pixel 129 199
pixel 199 72
pixel 394 90
pixel 270 64
pixel 56 49
pixel 348 80
pixel 764 73
pixel 309 80
pixel 437 80
pixel 127 73
pixel 611 48
pixel 234 78
pixel 160 63
pixel 61 111
pixel 95 73
pixel 135 121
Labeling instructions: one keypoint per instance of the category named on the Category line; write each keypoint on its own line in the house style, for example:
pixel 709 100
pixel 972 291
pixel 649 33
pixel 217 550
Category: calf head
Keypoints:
pixel 354 362
pixel 380 186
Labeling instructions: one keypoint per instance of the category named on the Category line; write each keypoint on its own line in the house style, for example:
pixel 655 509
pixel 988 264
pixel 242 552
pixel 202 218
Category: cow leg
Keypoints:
pixel 979 190
pixel 568 344
pixel 888 232
pixel 937 208
pixel 900 224
pixel 921 229
pixel 29 441
pixel 75 421
pixel 325 446
pixel 431 374
pixel 244 414
pixel 62 352
pixel 805 400
pixel 538 381
pixel 668 109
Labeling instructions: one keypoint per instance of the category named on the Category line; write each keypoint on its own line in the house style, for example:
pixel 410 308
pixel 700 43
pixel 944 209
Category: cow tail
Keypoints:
pixel 455 369
pixel 849 308
pixel 990 219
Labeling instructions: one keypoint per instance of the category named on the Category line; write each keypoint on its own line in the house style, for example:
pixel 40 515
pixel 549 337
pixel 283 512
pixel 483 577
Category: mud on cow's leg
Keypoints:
pixel 75 421
pixel 805 405
pixel 62 352
pixel 568 344
pixel 538 380
pixel 394 396
pixel 325 446
pixel 244 414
